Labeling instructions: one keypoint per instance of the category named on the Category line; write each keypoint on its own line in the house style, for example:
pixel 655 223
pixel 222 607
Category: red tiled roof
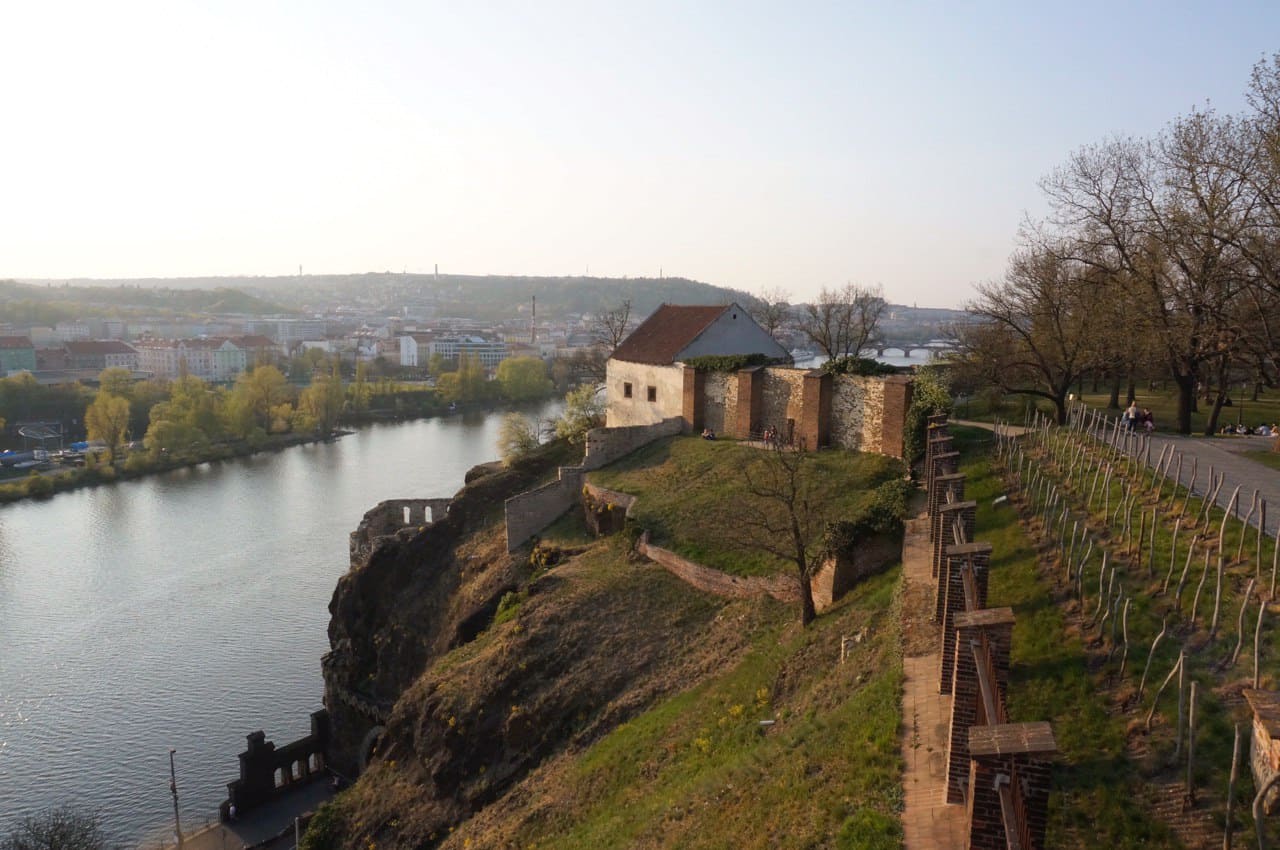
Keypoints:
pixel 86 347
pixel 666 333
pixel 15 342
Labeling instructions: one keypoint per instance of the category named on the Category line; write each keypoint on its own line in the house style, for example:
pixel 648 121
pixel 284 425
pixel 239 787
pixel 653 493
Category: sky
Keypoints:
pixel 749 145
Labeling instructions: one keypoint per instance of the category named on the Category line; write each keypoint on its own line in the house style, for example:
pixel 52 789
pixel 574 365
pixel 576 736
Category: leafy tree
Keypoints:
pixel 517 437
pixel 322 402
pixel 583 410
pixel 190 418
pixel 58 829
pixel 254 400
pixel 843 321
pixel 117 381
pixel 523 378
pixel 107 419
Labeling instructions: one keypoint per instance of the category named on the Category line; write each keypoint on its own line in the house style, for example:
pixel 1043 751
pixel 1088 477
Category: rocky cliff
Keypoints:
pixel 442 705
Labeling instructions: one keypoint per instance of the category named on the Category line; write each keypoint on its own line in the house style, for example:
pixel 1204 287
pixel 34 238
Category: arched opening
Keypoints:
pixel 407 515
pixel 317 762
pixel 279 777
pixel 295 771
pixel 368 746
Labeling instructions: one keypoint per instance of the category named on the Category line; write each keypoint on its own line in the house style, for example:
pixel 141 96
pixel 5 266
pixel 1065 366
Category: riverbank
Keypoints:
pixel 140 464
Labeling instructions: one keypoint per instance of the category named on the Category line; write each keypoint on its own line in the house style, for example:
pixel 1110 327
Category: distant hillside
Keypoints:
pixel 48 303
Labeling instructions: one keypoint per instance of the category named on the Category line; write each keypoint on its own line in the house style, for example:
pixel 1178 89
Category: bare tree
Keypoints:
pixel 1036 330
pixel 784 515
pixel 611 326
pixel 772 309
pixel 57 829
pixel 841 322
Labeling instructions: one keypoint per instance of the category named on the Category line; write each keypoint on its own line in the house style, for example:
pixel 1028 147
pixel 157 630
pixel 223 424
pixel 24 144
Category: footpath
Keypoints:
pixel 1224 454
pixel 928 823
pixel 269 827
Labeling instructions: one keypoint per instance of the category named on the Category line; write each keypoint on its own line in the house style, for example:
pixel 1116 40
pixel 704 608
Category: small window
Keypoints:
pixel 653 393
pixel 626 389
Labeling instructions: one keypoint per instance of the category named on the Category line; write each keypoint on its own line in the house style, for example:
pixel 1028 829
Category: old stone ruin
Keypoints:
pixel 999 771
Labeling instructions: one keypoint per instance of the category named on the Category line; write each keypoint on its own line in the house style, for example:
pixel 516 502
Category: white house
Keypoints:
pixel 645 379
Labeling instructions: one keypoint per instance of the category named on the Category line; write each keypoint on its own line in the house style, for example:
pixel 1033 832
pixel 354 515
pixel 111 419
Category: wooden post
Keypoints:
pixel 1244 603
pixel 1231 790
pixel 1142 683
pixel 1191 745
pixel 1173 555
pixel 1217 598
pixel 1257 645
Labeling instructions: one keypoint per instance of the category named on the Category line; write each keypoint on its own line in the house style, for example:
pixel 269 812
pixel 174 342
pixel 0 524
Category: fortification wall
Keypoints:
pixel 720 413
pixel 529 513
pixel 857 413
pixel 782 400
pixel 782 588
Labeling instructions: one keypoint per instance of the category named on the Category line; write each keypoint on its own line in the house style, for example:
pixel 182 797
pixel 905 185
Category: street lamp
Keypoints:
pixel 173 789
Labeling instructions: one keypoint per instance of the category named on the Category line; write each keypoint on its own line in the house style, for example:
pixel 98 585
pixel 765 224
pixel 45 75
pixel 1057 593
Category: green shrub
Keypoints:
pixel 726 362
pixel 39 486
pixel 509 606
pixel 882 514
pixel 858 366
pixel 324 829
pixel 930 394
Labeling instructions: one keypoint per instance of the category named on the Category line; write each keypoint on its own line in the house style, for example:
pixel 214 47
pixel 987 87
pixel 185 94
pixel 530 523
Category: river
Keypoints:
pixel 187 610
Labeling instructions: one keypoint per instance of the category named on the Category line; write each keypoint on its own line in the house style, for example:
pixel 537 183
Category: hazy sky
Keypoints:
pixel 743 144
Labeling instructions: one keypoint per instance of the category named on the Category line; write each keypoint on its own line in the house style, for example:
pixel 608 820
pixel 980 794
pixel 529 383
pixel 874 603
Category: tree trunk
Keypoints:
pixel 1211 426
pixel 1132 393
pixel 808 613
pixel 1060 404
pixel 1186 400
pixel 1113 403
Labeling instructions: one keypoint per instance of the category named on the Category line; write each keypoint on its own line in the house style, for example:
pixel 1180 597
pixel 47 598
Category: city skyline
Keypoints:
pixel 730 144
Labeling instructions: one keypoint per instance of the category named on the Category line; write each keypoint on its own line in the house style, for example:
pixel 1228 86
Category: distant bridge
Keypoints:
pixel 909 347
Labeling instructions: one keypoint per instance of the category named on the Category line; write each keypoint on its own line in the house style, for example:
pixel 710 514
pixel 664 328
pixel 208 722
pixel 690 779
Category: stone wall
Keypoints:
pixel 837 576
pixel 390 518
pixel 720 408
pixel 267 771
pixel 782 392
pixel 857 410
pixel 529 513
pixel 783 588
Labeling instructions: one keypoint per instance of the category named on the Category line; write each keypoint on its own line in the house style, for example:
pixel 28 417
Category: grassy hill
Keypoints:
pixel 608 704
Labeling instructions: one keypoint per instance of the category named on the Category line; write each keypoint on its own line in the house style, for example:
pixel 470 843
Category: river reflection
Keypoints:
pixel 187 610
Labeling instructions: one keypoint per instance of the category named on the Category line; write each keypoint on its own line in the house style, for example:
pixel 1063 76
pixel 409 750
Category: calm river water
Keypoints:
pixel 187 610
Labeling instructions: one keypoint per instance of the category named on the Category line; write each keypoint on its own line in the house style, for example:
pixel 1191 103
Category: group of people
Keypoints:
pixel 1135 418
pixel 1263 430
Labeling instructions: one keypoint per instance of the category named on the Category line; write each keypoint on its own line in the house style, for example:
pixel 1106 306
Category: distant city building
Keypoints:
pixel 489 352
pixel 286 331
pixel 415 349
pixel 67 331
pixel 211 359
pixel 99 354
pixel 17 354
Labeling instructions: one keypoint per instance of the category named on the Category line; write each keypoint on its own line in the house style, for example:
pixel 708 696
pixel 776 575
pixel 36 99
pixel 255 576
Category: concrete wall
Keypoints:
pixel 668 381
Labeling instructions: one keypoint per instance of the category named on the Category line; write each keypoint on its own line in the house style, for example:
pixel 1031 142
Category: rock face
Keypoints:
pixel 407 598
pixel 443 705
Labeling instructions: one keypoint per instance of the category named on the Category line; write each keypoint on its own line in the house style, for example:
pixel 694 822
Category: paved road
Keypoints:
pixel 1224 455
pixel 258 827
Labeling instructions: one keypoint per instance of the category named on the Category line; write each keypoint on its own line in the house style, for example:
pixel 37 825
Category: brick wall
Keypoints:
pixel 1013 756
pixel 990 629
pixel 978 557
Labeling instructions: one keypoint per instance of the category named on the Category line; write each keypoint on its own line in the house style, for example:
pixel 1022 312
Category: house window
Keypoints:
pixel 653 393
pixel 626 389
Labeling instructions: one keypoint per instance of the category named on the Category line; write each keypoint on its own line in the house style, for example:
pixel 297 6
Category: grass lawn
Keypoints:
pixel 698 771
pixel 1095 801
pixel 688 488
pixel 1163 404
pixel 1266 458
